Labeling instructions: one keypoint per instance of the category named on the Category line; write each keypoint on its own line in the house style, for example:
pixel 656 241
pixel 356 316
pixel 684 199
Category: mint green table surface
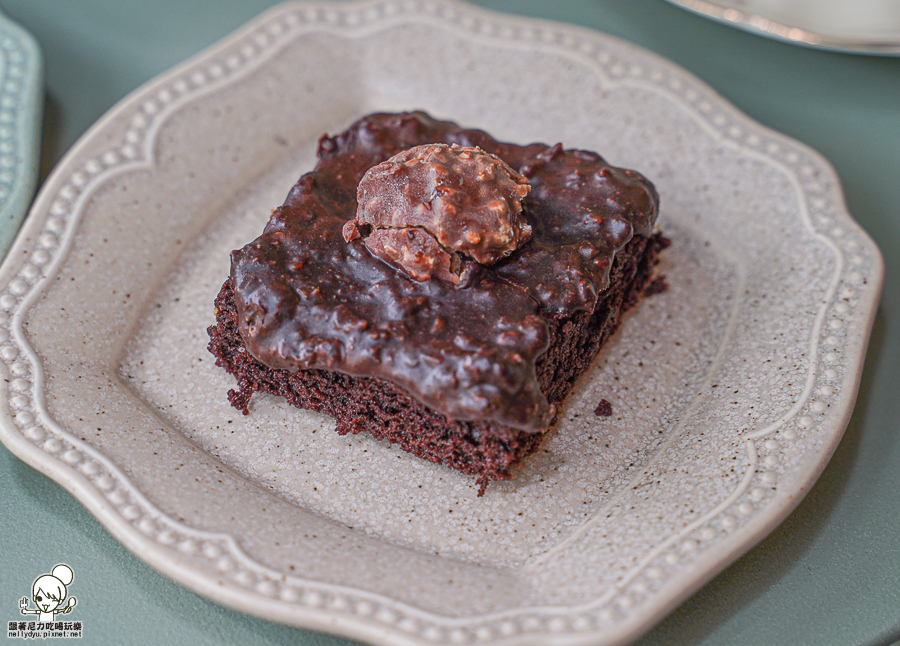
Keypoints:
pixel 829 575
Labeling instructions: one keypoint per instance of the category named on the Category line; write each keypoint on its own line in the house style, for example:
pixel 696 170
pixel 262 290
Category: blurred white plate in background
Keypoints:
pixel 865 26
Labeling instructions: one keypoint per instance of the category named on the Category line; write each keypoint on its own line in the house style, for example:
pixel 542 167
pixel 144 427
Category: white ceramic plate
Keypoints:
pixel 730 391
pixel 862 26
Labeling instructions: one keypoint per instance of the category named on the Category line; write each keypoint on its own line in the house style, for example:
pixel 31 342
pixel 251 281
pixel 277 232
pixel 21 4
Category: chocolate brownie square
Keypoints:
pixel 452 307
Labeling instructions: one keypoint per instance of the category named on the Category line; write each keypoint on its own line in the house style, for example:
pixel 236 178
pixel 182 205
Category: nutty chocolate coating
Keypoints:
pixel 306 299
pixel 429 209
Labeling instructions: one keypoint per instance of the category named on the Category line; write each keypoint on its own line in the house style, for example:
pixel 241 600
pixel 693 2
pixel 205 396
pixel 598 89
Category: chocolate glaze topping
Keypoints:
pixel 307 299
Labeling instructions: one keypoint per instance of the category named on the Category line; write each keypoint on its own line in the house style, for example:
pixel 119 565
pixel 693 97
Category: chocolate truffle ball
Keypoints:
pixel 432 210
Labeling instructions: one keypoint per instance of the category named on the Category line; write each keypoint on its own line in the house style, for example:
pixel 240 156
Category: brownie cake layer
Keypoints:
pixel 486 449
pixel 317 291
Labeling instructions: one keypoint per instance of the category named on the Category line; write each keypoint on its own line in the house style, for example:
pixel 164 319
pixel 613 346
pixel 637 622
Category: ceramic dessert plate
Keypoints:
pixel 729 391
pixel 864 26
pixel 21 107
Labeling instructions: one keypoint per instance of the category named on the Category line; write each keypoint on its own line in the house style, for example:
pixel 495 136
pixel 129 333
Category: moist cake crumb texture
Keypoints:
pixel 604 409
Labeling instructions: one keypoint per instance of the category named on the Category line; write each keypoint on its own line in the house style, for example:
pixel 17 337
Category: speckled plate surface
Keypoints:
pixel 730 390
